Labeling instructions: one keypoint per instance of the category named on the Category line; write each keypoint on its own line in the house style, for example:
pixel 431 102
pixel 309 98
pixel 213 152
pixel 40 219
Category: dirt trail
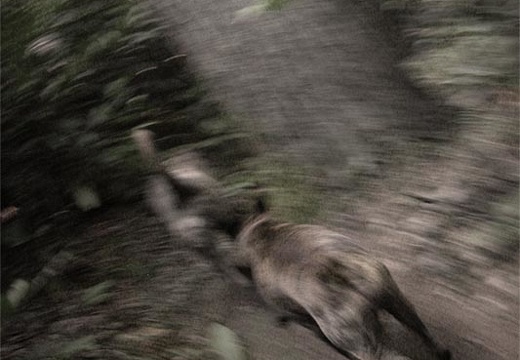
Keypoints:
pixel 320 79
pixel 317 78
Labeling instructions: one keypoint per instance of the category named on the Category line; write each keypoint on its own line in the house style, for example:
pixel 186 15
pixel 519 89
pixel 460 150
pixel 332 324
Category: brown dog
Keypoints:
pixel 307 270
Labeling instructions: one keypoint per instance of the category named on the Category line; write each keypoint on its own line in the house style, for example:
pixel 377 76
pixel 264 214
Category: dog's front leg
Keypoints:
pixel 228 259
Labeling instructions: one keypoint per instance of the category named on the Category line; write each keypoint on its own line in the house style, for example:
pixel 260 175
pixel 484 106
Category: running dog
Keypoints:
pixel 308 272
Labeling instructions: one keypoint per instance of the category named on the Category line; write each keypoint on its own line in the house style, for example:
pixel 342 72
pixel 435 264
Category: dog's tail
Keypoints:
pixel 145 144
pixel 185 184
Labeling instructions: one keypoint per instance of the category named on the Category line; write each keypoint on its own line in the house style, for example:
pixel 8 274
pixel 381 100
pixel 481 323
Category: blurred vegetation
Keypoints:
pixel 461 44
pixel 292 194
pixel 276 4
pixel 467 53
pixel 226 344
pixel 77 77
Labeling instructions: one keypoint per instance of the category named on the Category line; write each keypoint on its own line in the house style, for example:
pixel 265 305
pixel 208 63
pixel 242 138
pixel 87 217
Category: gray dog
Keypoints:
pixel 306 272
pixel 311 273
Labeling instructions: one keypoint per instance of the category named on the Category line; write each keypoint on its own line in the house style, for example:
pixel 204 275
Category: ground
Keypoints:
pixel 161 299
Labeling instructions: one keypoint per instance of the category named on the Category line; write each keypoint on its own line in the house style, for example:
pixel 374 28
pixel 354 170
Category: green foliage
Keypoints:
pixel 276 4
pixel 226 343
pixel 467 51
pixel 98 294
pixel 291 194
pixel 69 349
pixel 15 295
pixel 77 77
pixel 86 198
pixel 461 44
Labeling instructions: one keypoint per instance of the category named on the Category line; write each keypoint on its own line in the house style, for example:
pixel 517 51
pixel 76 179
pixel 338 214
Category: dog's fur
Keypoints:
pixel 307 270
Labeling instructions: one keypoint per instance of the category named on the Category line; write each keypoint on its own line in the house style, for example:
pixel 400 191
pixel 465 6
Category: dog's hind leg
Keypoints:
pixel 350 323
pixel 394 302
pixel 378 286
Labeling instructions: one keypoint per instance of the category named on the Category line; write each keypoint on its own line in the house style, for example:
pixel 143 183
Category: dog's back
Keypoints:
pixel 307 269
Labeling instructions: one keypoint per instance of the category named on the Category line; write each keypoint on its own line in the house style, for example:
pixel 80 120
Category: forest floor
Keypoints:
pixel 159 301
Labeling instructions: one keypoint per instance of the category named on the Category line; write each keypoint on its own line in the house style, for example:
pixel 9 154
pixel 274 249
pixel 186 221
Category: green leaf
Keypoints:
pixel 226 343
pixel 85 343
pixel 146 125
pixel 100 115
pixel 54 88
pixel 86 198
pixel 103 43
pixel 137 100
pixel 238 188
pixel 98 294
pixel 115 88
pixel 17 292
pixel 273 5
pixel 136 16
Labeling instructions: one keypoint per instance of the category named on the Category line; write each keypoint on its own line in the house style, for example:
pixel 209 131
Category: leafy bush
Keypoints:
pixel 467 51
pixel 77 76
pixel 462 44
pixel 292 196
